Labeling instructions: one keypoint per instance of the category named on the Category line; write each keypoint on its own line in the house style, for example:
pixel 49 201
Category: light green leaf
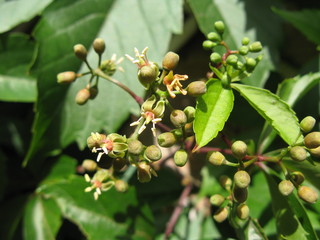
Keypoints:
pixel 42 219
pixel 212 111
pixel 307 21
pixel 13 13
pixel 275 111
pixel 113 216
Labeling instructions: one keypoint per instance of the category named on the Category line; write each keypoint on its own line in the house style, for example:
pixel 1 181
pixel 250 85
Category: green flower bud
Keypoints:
pixel 196 88
pixel 242 179
pixel 225 182
pixel 297 177
pixel 147 75
pixel 250 64
pixel 80 51
pixel 307 194
pixel 243 211
pixel 312 140
pixel 219 26
pixel 243 50
pixel 170 61
pixel 135 147
pixel 144 172
pixel 307 124
pixel 255 47
pixel 315 152
pixel 190 113
pixel 152 153
pixel 285 187
pixel 99 45
pixel 119 163
pixel 298 153
pixel 121 186
pixel 215 57
pixel 167 139
pixel 221 215
pixel 93 91
pixel 213 36
pixel 240 195
pixel 178 118
pixel 95 140
pixel 208 45
pixel 217 200
pixel 239 149
pixel 239 65
pixel 245 41
pixel 180 157
pixel 89 165
pixel 66 77
pixel 232 60
pixel 82 96
pixel 216 158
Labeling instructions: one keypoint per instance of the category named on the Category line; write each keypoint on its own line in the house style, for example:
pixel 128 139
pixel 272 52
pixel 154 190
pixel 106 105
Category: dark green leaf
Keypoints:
pixel 212 111
pixel 42 219
pixel 275 111
pixel 113 216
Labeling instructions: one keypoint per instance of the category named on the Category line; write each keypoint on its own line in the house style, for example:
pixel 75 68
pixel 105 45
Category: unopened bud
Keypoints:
pixel 144 172
pixel 80 51
pixel 245 41
pixel 121 186
pixel 208 45
pixel 217 200
pixel 243 211
pixel 99 45
pixel 242 179
pixel 153 153
pixel 89 165
pixel 298 153
pixel 240 194
pixel 93 91
pixel 307 124
pixel 250 64
pixel 215 57
pixel 307 194
pixel 188 129
pixel 216 158
pixel 232 60
pixel 82 96
pixel 312 140
pixel 135 147
pixel 147 75
pixel 285 187
pixel 196 88
pixel 219 26
pixel 66 77
pixel 170 61
pixel 255 47
pixel 297 177
pixel 180 157
pixel 190 113
pixel 221 215
pixel 239 149
pixel 178 118
pixel 243 50
pixel 213 36
pixel 315 152
pixel 225 182
pixel 167 139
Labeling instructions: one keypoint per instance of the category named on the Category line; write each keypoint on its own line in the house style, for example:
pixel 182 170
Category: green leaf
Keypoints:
pixel 243 19
pixel 307 21
pixel 275 111
pixel 13 13
pixel 212 111
pixel 254 231
pixel 42 219
pixel 114 215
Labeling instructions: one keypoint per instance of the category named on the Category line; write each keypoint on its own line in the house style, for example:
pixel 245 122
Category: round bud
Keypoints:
pixel 297 177
pixel 66 77
pixel 239 65
pixel 312 140
pixel 93 91
pixel 240 194
pixel 217 200
pixel 153 153
pixel 245 41
pixel 147 75
pixel 208 45
pixel 213 36
pixel 298 153
pixel 170 61
pixel 242 179
pixel 178 118
pixel 80 51
pixel 250 64
pixel 239 149
pixel 219 26
pixel 82 96
pixel 285 187
pixel 307 194
pixel 215 57
pixel 315 152
pixel 232 60
pixel 180 157
pixel 196 88
pixel 243 50
pixel 143 172
pixel 121 186
pixel 99 45
pixel 221 215
pixel 307 124
pixel 255 47
pixel 216 158
pixel 135 147
pixel 89 165
pixel 119 163
pixel 167 139
pixel 225 182
pixel 243 211
pixel 190 113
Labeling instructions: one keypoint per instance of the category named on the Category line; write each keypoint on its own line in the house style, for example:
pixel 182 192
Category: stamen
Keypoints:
pixel 99 156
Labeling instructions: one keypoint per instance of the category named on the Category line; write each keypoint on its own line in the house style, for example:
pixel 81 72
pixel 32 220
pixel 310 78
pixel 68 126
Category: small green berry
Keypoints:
pixel 178 118
pixel 80 51
pixel 219 26
pixel 213 36
pixel 99 45
pixel 239 149
pixel 242 179
pixel 307 194
pixel 82 96
pixel 216 158
pixel 153 153
pixel 180 157
pixel 307 124
pixel 312 140
pixel 170 61
pixel 285 187
pixel 217 200
pixel 215 58
pixel 221 215
pixel 243 211
pixel 298 153
pixel 255 47
pixel 196 88
pixel 167 139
